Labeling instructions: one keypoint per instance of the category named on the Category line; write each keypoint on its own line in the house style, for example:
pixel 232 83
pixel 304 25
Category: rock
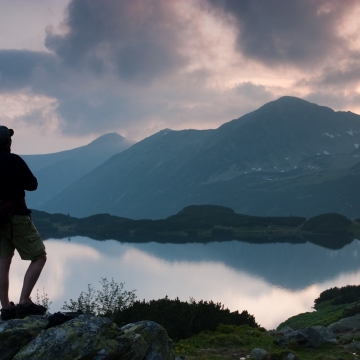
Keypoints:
pixel 355 346
pixel 290 356
pixel 309 337
pixel 60 317
pixel 90 337
pixel 285 330
pixel 298 335
pixel 85 336
pixel 319 335
pixel 326 333
pixel 348 337
pixel 155 336
pixel 15 334
pixel 346 324
pixel 258 354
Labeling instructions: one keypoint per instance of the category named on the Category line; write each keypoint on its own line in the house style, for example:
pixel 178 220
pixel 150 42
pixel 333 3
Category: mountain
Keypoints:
pixel 58 170
pixel 289 157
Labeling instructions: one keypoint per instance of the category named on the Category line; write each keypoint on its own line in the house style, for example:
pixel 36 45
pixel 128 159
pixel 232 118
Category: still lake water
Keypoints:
pixel 270 281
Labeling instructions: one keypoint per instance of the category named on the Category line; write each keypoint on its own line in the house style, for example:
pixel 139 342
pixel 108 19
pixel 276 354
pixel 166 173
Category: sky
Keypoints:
pixel 72 70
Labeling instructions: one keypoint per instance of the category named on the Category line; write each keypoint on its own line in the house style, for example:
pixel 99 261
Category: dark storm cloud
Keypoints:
pixel 335 77
pixel 298 32
pixel 18 69
pixel 122 64
pixel 138 38
pixel 343 75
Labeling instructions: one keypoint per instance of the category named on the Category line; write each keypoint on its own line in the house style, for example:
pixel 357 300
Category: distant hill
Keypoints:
pixel 203 223
pixel 58 170
pixel 289 157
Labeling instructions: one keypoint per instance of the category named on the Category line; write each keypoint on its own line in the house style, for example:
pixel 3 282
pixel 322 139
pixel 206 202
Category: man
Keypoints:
pixel 19 232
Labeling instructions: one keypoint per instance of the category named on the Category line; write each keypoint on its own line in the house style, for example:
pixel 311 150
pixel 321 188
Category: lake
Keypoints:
pixel 270 281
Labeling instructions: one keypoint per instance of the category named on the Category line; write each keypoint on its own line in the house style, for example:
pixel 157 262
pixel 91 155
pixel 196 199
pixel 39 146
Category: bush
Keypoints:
pixel 106 302
pixel 183 319
pixel 43 299
pixel 339 296
pixel 352 310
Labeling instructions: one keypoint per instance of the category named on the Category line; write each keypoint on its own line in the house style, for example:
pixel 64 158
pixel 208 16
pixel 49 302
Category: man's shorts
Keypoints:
pixel 26 239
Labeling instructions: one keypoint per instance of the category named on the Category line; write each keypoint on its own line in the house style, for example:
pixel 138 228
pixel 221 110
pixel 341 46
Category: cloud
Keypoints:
pixel 296 32
pixel 18 68
pixel 251 91
pixel 340 76
pixel 336 100
pixel 139 39
pixel 139 66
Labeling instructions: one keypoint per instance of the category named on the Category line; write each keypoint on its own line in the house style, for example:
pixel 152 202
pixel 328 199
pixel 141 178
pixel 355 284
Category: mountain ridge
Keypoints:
pixel 270 155
pixel 58 170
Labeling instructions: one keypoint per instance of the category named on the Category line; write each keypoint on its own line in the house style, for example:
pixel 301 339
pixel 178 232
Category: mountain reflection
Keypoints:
pixel 284 277
pixel 292 266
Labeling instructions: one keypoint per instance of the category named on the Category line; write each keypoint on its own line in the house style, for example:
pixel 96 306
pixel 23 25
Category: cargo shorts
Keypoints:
pixel 26 239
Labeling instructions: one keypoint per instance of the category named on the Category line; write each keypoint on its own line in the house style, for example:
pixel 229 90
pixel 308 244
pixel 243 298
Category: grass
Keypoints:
pixel 223 343
pixel 230 342
pixel 325 315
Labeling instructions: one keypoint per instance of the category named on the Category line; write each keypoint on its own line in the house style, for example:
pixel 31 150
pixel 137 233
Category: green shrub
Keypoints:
pixel 183 319
pixel 352 310
pixel 106 302
pixel 43 299
pixel 338 296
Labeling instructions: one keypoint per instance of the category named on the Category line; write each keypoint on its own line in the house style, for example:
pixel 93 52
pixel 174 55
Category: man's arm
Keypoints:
pixel 28 180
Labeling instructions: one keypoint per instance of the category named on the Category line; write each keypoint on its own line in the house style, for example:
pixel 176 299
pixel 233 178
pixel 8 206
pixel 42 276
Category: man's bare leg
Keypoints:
pixel 4 282
pixel 31 277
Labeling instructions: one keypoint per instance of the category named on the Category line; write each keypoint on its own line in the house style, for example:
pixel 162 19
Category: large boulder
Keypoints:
pixel 156 337
pixel 309 337
pixel 258 354
pixel 285 330
pixel 346 324
pixel 90 337
pixel 17 333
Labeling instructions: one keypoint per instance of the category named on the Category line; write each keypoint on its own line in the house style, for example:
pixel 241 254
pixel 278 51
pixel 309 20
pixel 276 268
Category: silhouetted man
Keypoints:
pixel 17 231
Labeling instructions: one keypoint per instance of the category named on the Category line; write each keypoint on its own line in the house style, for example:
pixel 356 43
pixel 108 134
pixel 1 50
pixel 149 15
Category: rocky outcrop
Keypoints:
pixel 308 337
pixel 15 334
pixel 159 344
pixel 85 337
pixel 346 324
pixel 258 354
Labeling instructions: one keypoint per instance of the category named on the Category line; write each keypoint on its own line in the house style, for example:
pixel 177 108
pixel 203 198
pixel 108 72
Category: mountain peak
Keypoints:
pixel 107 137
pixel 293 103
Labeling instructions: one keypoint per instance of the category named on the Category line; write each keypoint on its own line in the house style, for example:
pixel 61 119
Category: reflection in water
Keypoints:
pixel 271 281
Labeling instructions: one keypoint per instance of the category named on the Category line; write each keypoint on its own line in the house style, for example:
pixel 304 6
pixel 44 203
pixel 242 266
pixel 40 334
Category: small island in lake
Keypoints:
pixel 203 223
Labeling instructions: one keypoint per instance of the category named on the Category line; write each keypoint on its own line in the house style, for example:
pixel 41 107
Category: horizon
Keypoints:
pixel 134 142
pixel 74 70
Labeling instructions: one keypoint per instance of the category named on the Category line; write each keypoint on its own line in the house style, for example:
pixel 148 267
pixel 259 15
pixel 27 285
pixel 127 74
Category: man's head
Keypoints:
pixel 5 137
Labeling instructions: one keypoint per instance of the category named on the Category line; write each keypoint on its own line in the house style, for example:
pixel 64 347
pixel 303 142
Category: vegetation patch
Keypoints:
pixel 230 342
pixel 325 315
pixel 337 296
pixel 183 319
pixel 203 223
pixel 331 306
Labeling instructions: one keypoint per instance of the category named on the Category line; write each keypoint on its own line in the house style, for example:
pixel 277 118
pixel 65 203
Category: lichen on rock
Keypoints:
pixel 160 346
pixel 84 337
pixel 90 337
pixel 17 333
